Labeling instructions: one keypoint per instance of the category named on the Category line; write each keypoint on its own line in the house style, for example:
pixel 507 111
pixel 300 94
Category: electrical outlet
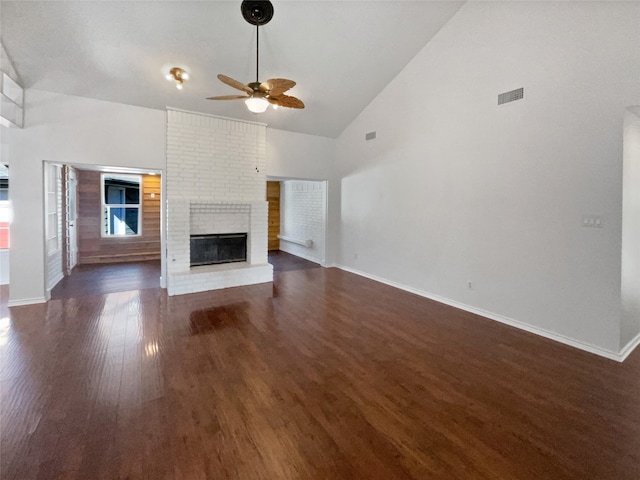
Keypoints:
pixel 470 285
pixel 355 256
pixel 592 221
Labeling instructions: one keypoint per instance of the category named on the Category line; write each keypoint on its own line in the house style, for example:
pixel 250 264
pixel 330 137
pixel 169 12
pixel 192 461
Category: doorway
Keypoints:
pixel 298 217
pixel 79 239
pixel 5 218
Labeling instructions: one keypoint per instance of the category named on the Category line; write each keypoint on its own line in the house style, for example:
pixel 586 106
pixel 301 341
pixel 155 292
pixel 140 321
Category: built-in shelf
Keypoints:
pixel 11 102
pixel 299 241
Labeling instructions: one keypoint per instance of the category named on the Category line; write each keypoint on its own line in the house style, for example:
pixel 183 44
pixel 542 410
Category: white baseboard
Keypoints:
pixel 300 254
pixel 26 301
pixel 617 356
pixel 629 347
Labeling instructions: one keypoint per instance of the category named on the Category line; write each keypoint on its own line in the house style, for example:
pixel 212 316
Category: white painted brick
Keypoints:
pixel 213 187
pixel 303 217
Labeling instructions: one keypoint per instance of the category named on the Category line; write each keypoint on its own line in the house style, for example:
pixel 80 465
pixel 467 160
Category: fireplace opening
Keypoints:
pixel 218 248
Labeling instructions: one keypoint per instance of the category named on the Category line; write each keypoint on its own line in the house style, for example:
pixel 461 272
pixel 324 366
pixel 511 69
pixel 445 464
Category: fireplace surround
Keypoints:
pixel 200 218
pixel 215 185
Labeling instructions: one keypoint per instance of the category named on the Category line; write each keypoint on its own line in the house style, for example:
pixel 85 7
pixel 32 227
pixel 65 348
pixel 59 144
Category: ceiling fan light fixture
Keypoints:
pixel 256 104
pixel 178 75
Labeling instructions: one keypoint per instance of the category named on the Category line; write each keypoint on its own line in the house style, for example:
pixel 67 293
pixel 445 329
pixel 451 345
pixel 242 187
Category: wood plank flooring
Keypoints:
pixel 320 375
pixel 96 279
pixel 283 262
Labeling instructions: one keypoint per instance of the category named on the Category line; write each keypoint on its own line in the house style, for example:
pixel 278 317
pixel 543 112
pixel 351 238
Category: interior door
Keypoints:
pixel 72 219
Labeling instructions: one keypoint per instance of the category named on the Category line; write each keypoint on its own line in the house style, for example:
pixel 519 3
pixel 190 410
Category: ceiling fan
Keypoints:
pixel 260 94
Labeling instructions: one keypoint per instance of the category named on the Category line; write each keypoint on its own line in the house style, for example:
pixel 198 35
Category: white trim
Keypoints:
pixel 271 178
pixel 618 357
pixel 26 301
pixel 304 243
pixel 139 178
pixel 629 347
pixel 115 170
pixel 50 184
pixel 54 281
pixel 216 116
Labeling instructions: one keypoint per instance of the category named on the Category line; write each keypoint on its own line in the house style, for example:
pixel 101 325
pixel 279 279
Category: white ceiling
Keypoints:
pixel 341 53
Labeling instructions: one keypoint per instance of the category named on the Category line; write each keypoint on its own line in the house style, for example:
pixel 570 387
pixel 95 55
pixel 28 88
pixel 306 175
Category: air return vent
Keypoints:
pixel 370 136
pixel 511 96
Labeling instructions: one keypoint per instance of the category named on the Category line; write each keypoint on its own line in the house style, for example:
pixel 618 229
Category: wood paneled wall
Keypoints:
pixel 93 248
pixel 273 197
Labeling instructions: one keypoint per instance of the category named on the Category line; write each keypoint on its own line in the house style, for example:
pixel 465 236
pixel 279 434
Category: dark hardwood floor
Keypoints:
pixel 320 375
pixel 284 262
pixel 97 279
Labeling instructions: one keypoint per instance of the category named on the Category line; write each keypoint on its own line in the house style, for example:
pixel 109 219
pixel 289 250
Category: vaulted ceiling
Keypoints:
pixel 341 53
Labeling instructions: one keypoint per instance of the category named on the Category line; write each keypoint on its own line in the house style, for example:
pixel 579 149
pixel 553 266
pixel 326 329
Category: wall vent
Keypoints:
pixel 511 96
pixel 370 136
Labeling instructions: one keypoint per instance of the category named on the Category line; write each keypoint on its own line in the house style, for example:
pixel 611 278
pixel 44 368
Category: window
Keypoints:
pixel 121 205
pixel 52 182
pixel 5 207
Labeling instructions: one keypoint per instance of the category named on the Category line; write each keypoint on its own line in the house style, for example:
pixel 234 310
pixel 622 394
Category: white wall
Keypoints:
pixel 303 217
pixel 457 189
pixel 67 129
pixel 300 156
pixel 630 326
pixel 4 266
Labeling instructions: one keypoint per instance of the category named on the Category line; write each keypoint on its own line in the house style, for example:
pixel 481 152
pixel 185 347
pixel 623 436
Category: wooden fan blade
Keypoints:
pixel 286 101
pixel 228 97
pixel 235 83
pixel 276 86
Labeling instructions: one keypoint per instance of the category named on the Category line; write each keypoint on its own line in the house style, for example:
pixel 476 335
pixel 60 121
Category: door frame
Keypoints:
pixel 69 181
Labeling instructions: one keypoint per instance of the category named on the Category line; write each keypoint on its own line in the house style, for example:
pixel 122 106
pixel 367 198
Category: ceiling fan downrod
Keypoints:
pixel 257 52
pixel 257 12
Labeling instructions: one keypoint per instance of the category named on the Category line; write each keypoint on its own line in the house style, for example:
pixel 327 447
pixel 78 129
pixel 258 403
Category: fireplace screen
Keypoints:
pixel 218 248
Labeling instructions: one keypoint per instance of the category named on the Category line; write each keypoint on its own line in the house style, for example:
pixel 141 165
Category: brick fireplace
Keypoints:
pixel 215 185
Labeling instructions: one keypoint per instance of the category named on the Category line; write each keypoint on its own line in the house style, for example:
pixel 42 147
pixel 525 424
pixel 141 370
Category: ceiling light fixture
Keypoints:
pixel 257 104
pixel 178 75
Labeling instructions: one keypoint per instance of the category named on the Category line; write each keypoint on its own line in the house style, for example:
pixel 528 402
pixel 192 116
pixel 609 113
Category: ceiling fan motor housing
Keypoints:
pixel 257 12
